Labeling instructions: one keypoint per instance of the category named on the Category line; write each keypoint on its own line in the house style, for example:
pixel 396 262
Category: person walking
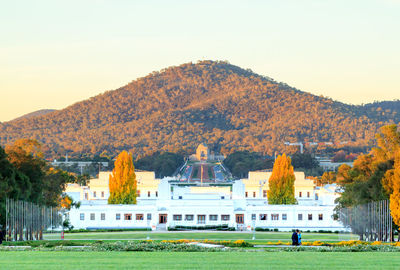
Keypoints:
pixel 295 238
pixel 1 236
pixel 299 237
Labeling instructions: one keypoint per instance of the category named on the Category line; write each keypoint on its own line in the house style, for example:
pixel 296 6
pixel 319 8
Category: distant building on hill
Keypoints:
pixel 202 152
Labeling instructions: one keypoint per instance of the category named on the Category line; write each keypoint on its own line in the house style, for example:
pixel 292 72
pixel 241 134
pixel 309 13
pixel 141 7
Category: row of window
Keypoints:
pixel 265 217
pixel 148 193
pixel 94 195
pixel 284 217
pixel 254 194
pixel 265 194
pixel 301 194
pixel 201 219
pixel 180 197
pixel 117 216
pixel 102 194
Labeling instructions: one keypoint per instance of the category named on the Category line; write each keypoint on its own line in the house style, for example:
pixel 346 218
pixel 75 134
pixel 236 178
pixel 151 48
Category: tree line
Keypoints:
pixel 374 176
pixel 25 175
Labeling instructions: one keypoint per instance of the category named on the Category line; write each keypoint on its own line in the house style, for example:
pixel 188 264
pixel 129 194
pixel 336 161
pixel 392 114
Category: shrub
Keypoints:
pixel 262 229
pixel 206 227
pixel 151 246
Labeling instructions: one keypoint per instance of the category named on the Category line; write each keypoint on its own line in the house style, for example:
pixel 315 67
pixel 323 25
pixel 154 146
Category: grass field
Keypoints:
pixel 203 260
pixel 261 237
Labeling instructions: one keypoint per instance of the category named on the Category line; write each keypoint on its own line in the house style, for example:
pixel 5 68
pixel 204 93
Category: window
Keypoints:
pixel 201 219
pixel 264 193
pixel 189 217
pixel 180 197
pixel 246 194
pixel 274 216
pixel 148 216
pixel 177 217
pixel 103 216
pixel 138 193
pixel 254 194
pixel 222 197
pixel 94 194
pixel 148 193
pixel 309 216
pixel 316 196
pixel 156 193
pixel 300 194
pixel 128 216
pixel 300 217
pixel 92 216
pixel 82 216
pixel 308 194
pixel 263 216
pixel 117 216
pixel 253 217
pixel 320 217
pixel 225 217
pixel 213 217
pixel 284 216
pixel 86 196
pixel 139 216
pixel 102 194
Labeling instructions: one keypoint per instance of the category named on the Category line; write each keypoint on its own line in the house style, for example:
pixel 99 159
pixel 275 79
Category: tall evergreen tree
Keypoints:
pixel 281 182
pixel 122 182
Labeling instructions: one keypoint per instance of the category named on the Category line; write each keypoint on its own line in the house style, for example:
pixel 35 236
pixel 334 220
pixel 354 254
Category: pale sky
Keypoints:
pixel 55 53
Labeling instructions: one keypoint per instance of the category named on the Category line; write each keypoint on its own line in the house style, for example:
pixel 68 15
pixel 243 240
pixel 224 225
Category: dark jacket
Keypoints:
pixel 1 236
pixel 295 239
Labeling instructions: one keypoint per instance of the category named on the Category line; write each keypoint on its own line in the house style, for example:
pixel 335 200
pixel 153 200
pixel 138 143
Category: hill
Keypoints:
pixel 35 113
pixel 226 106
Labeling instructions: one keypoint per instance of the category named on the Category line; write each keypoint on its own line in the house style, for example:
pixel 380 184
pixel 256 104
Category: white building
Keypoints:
pixel 243 205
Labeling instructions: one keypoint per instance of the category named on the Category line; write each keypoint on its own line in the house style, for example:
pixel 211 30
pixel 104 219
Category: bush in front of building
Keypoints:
pixel 206 227
pixel 261 229
pixel 108 230
pixel 151 246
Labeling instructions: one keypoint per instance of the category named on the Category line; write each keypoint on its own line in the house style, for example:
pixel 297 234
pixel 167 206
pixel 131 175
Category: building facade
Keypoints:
pixel 243 205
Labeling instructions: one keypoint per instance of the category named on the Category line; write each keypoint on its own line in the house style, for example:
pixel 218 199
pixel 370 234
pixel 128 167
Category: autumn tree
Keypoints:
pixel 281 182
pixel 395 191
pixel 374 176
pixel 122 182
pixel 328 178
pixel 342 175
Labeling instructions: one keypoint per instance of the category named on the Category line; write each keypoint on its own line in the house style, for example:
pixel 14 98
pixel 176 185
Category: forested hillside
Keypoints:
pixel 223 105
pixel 35 113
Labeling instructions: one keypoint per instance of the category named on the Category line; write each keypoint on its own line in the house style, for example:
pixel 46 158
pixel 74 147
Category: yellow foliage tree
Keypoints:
pixel 281 182
pixel 122 182
pixel 395 188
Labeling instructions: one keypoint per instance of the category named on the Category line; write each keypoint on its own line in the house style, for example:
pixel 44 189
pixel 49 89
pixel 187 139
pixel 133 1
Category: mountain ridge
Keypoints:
pixel 229 107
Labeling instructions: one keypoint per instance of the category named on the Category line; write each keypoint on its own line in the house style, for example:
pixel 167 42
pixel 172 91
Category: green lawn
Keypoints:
pixel 261 237
pixel 203 260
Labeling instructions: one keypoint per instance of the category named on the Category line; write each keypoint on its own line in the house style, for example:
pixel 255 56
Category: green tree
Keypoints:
pixel 122 182
pixel 281 182
pixel 54 182
pixel 26 156
pixel 163 164
pixel 241 162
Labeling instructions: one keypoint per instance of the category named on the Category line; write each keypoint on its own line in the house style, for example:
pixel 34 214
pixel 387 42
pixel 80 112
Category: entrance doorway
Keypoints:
pixel 239 218
pixel 162 219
